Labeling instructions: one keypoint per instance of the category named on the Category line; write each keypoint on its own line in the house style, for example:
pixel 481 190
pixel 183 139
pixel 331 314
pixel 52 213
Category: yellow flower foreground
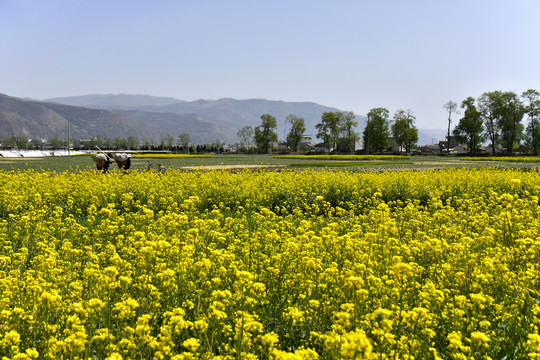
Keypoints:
pixel 270 265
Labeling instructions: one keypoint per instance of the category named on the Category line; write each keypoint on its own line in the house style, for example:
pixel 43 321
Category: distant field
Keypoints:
pixel 344 157
pixel 82 163
pixel 349 163
pixel 514 159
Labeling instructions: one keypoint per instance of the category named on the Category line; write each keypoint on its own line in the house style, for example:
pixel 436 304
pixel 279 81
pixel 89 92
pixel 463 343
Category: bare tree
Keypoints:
pixel 452 108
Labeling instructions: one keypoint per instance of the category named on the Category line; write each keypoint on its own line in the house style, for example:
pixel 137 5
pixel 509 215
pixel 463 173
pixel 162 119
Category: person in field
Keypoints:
pixel 102 162
pixel 123 161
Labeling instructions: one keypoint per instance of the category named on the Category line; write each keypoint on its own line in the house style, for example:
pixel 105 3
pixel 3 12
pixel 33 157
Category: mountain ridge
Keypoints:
pixel 150 117
pixel 105 101
pixel 36 119
pixel 228 114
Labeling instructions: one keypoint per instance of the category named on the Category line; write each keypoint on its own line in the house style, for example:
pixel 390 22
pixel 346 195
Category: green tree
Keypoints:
pixel 347 124
pixel 89 144
pixel 21 142
pixel 6 143
pixel 296 133
pixel 120 143
pixel 377 131
pixel 487 105
pixel 404 131
pixel 184 139
pixel 452 108
pixel 510 112
pixel 148 144
pixel 133 142
pixel 167 141
pixel 265 133
pixel 328 129
pixel 470 128
pixel 95 141
pixel 55 143
pixel 532 108
pixel 37 144
pixel 246 135
pixel 107 143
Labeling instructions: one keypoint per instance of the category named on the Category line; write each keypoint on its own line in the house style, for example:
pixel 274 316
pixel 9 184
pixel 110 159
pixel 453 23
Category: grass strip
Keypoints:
pixel 171 156
pixel 343 157
pixel 527 159
pixel 350 163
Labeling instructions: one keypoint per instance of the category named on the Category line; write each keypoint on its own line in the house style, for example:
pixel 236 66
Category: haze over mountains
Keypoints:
pixel 35 119
pixel 204 120
pixel 149 117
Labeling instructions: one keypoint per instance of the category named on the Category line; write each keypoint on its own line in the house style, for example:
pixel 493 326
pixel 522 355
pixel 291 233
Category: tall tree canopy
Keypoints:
pixel 265 133
pixel 296 133
pixel 167 141
pixel 328 129
pixel 245 134
pixel 376 132
pixel 510 112
pixel 470 127
pixel 532 108
pixel 347 126
pixel 184 139
pixel 338 126
pixel 133 142
pixel 487 105
pixel 404 131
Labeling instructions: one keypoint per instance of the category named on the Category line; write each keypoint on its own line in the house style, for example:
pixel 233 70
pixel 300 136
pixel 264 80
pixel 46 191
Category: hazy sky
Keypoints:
pixel 353 55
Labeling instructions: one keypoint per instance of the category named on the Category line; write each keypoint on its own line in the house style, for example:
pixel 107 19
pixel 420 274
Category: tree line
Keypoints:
pixel 337 131
pixel 497 116
pixel 264 136
pixel 182 143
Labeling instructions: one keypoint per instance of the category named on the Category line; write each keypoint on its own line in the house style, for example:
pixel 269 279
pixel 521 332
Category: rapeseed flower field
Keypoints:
pixel 270 265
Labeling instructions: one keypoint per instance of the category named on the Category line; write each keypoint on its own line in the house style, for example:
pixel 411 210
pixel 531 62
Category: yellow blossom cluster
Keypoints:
pixel 441 264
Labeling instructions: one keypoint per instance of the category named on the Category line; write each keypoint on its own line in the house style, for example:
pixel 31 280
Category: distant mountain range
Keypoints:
pixel 111 101
pixel 36 119
pixel 204 120
pixel 149 117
